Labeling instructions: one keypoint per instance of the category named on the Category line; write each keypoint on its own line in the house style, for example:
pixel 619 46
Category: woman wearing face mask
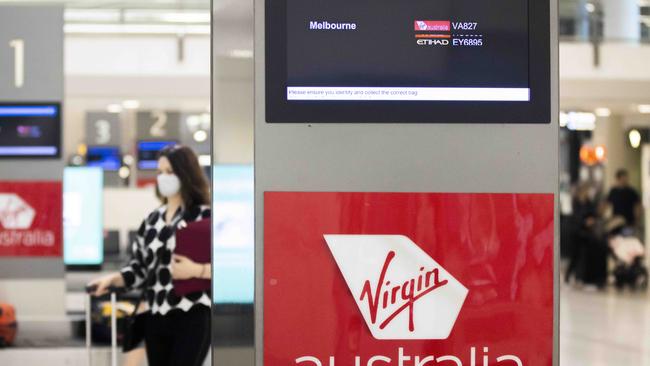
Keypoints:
pixel 177 330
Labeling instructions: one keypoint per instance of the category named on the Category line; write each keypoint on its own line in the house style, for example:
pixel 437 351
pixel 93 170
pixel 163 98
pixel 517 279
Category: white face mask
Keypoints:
pixel 168 184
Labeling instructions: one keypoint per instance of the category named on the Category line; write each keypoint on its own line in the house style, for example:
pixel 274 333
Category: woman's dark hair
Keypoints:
pixel 194 184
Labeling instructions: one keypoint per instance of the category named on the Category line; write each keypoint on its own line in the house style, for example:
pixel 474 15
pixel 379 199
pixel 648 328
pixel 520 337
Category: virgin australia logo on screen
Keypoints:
pixel 14 212
pixel 433 25
pixel 401 292
pixel 16 218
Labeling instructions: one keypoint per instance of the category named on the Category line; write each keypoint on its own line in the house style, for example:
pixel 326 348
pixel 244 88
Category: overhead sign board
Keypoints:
pixel 103 129
pixel 158 125
pixel 31 58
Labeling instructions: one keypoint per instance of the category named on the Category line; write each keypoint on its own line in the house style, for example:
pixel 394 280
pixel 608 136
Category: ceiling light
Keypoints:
pixel 603 112
pixel 166 16
pixel 82 149
pixel 601 153
pixel 136 29
pixel 644 108
pixel 205 160
pixel 128 159
pixel 131 104
pixel 635 138
pixel 581 121
pixel 77 160
pixel 114 108
pixel 200 136
pixel 92 15
pixel 124 172
pixel 590 7
pixel 186 17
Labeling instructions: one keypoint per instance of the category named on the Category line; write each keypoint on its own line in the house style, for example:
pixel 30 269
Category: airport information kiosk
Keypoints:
pixel 406 183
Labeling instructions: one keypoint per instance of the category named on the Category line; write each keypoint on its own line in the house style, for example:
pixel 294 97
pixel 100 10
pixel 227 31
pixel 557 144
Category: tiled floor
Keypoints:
pixel 604 328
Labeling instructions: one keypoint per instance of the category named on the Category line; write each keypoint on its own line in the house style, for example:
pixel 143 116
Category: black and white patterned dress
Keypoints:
pixel 155 242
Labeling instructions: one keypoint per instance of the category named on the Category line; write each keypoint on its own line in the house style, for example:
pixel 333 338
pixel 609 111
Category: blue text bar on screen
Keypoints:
pixel 28 111
pixel 28 150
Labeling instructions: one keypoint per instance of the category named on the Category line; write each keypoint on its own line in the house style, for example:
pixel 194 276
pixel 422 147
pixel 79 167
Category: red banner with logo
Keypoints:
pixel 408 279
pixel 31 219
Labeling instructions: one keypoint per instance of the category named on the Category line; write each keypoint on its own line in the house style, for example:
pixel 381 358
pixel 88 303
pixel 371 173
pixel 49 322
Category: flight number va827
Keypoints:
pixel 464 25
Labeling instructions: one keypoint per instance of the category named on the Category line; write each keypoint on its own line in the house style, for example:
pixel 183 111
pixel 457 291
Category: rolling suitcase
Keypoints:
pixel 113 297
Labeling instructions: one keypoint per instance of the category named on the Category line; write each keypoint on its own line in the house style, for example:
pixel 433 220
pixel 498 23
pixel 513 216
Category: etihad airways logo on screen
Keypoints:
pixel 401 292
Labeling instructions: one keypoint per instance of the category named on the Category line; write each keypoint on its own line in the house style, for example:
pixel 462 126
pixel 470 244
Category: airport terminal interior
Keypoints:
pixel 94 93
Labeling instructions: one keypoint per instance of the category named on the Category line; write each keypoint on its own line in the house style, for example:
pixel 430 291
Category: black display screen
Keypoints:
pixel 407 61
pixel 148 153
pixel 30 130
pixel 105 157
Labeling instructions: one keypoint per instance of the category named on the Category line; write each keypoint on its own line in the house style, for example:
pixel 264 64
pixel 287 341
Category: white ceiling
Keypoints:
pixel 130 4
pixel 233 30
pixel 226 9
pixel 154 16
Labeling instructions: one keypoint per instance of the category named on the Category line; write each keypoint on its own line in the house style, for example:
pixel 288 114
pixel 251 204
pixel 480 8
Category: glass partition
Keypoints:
pixel 232 200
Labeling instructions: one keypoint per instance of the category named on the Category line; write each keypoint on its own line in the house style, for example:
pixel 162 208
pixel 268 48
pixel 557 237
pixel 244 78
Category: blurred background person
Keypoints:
pixel 582 233
pixel 624 200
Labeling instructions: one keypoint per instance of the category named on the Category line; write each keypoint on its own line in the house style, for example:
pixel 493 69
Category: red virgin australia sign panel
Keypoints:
pixel 408 279
pixel 30 219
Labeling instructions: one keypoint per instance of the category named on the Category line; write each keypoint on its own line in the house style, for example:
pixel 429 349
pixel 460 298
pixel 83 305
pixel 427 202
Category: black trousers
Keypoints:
pixel 178 338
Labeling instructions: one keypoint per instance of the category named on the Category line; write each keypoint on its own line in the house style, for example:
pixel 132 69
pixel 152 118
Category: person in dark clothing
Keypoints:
pixel 593 260
pixel 583 221
pixel 624 200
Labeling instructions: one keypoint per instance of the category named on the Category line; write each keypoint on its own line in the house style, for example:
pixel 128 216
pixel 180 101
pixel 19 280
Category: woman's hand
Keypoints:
pixel 184 268
pixel 102 284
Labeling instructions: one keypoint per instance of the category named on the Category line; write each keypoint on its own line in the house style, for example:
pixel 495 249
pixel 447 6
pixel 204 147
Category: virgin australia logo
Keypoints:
pixel 14 212
pixel 401 291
